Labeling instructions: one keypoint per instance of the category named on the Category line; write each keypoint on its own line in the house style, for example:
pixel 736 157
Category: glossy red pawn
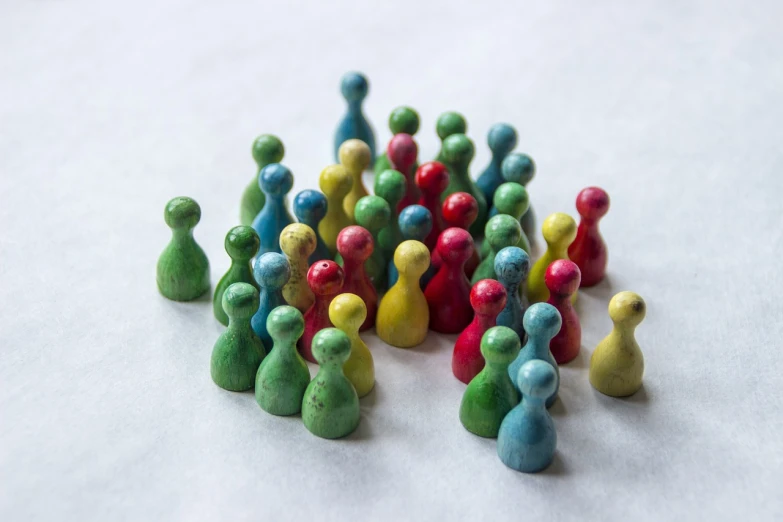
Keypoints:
pixel 402 152
pixel 448 293
pixel 355 244
pixel 325 279
pixel 461 210
pixel 488 297
pixel 562 278
pixel 588 250
pixel 432 178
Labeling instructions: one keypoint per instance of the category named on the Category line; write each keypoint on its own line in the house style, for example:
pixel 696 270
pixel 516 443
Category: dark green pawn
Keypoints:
pixel 238 351
pixel 501 231
pixel 242 245
pixel 390 185
pixel 283 377
pixel 491 394
pixel 512 199
pixel 401 120
pixel 372 213
pixel 458 152
pixel 448 124
pixel 266 149
pixel 330 408
pixel 183 267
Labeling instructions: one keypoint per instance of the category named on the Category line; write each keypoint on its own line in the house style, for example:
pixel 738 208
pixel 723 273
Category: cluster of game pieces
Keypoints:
pixel 432 249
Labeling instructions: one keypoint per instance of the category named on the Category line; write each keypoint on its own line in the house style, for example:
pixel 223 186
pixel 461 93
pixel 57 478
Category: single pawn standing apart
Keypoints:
pixel 330 407
pixel 283 376
pixel 403 315
pixel 402 153
pixel 238 351
pixel 275 181
pixel 355 157
pixel 501 231
pixel 520 168
pixel 502 139
pixel 326 281
pixel 297 241
pixel 458 152
pixel 511 267
pixel 310 209
pixel 491 394
pixel 241 245
pixel 347 313
pixel 271 272
pixel 542 322
pixel 559 231
pixel 527 437
pixel 432 178
pixel 487 298
pixel 415 223
pixel 335 183
pixel 588 250
pixel 390 185
pixel 183 268
pixel 461 210
pixel 401 120
pixel 510 199
pixel 373 214
pixel 266 149
pixel 354 88
pixel 448 293
pixel 355 246
pixel 562 279
pixel 448 124
pixel 617 364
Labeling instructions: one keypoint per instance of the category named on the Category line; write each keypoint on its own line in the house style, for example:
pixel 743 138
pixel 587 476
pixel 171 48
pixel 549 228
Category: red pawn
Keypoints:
pixel 355 244
pixel 488 297
pixel 325 279
pixel 402 152
pixel 432 178
pixel 461 210
pixel 562 279
pixel 448 293
pixel 588 250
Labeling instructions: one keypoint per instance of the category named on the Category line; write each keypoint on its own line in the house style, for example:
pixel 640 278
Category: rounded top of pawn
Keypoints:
pixel 627 309
pixel 458 149
pixel 267 149
pixel 488 297
pixel 460 209
pixel 331 347
pixel 415 222
pixel 450 123
pixel 512 199
pixel 335 181
pixel 455 245
pixel 559 229
pixel 355 242
pixel 275 180
pixel 502 231
pixel 502 139
pixel 500 345
pixel 240 300
pixel 404 119
pixel 310 206
pixel 537 379
pixel 347 312
pixel 592 203
pixel 182 212
pixel 242 243
pixel 518 168
pixel 562 277
pixel 432 177
pixel 412 257
pixel 297 240
pixel 355 155
pixel 372 213
pixel 512 265
pixel 402 150
pixel 354 86
pixel 285 324
pixel 390 185
pixel 272 271
pixel 542 321
pixel 325 277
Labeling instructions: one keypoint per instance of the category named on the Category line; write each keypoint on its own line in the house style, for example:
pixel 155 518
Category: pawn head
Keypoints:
pixel 402 150
pixel 242 243
pixel 390 185
pixel 355 242
pixel 518 168
pixel 537 379
pixel 355 155
pixel 542 321
pixel 325 277
pixel 500 345
pixel 372 213
pixel 592 203
pixel 512 265
pixel 331 347
pixel 412 257
pixel 488 297
pixel 285 324
pixel 415 222
pixel 347 312
pixel 432 177
pixel 450 123
pixel 458 149
pixel 354 86
pixel 240 300
pixel 182 212
pixel 562 277
pixel 297 240
pixel 627 309
pixel 271 271
pixel 267 149
pixel 455 245
pixel 460 210
pixel 512 199
pixel 335 182
pixel 559 229
pixel 404 119
pixel 275 180
pixel 502 139
pixel 502 231
pixel 310 206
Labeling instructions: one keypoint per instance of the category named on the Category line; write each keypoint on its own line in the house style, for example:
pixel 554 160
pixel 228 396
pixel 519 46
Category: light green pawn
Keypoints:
pixel 266 149
pixel 283 376
pixel 512 199
pixel 183 267
pixel 241 245
pixel 448 124
pixel 330 408
pixel 501 231
pixel 238 351
pixel 372 213
pixel 390 185
pixel 458 152
pixel 401 120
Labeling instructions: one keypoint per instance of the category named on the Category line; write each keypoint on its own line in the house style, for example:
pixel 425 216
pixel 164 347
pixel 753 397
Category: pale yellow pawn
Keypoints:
pixel 347 313
pixel 403 315
pixel 559 232
pixel 617 364
pixel 355 156
pixel 335 183
pixel 297 241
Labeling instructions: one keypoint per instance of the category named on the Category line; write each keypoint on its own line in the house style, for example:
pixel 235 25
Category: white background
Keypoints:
pixel 109 109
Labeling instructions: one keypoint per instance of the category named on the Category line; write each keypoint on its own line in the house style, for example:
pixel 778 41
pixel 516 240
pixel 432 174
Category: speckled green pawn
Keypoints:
pixel 241 245
pixel 390 185
pixel 458 152
pixel 501 231
pixel 183 267
pixel 373 213
pixel 283 376
pixel 401 119
pixel 448 124
pixel 330 408
pixel 266 149
pixel 238 351
pixel 512 199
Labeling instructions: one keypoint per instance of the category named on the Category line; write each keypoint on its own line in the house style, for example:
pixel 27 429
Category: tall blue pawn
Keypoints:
pixel 310 208
pixel 527 438
pixel 275 181
pixel 520 168
pixel 512 265
pixel 271 272
pixel 354 87
pixel 415 223
pixel 502 139
pixel 542 321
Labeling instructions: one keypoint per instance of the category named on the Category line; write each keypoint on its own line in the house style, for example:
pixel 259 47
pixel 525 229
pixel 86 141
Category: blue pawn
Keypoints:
pixel 527 438
pixel 520 168
pixel 502 139
pixel 310 208
pixel 275 181
pixel 354 87
pixel 271 272
pixel 542 321
pixel 415 223
pixel 512 265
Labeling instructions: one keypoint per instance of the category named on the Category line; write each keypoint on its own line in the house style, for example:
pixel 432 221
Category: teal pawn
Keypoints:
pixel 372 213
pixel 501 231
pixel 542 322
pixel 510 198
pixel 354 88
pixel 241 246
pixel 390 185
pixel 448 124
pixel 520 168
pixel 266 149
pixel 415 224
pixel 512 265
pixel 275 181
pixel 271 272
pixel 458 152
pixel 310 208
pixel 401 120
pixel 502 139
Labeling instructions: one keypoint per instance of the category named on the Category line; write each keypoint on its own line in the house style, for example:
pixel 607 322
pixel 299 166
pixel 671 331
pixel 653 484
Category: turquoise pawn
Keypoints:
pixel 542 322
pixel 310 208
pixel 241 246
pixel 458 152
pixel 415 223
pixel 520 168
pixel 354 88
pixel 272 273
pixel 502 139
pixel 512 265
pixel 275 181
pixel 401 120
pixel 448 124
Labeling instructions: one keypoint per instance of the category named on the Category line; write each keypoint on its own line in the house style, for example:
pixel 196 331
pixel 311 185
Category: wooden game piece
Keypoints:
pixel 448 124
pixel 562 280
pixel 310 209
pixel 283 376
pixel 297 241
pixel 355 157
pixel 183 267
pixel 373 214
pixel 510 198
pixel 559 231
pixel 355 245
pixel 491 394
pixel 401 120
pixel 487 298
pixel 617 363
pixel 432 178
pixel 501 231
pixel 390 185
pixel 266 149
pixel 458 152
pixel 415 223
pixel 347 312
pixel 238 351
pixel 325 279
pixel 448 293
pixel 588 250
pixel 527 437
pixel 502 139
pixel 241 246
pixel 512 265
pixel 335 183
pixel 354 88
pixel 403 315
pixel 461 210
pixel 520 168
pixel 402 152
pixel 275 181
pixel 542 322
pixel 330 407
pixel 271 272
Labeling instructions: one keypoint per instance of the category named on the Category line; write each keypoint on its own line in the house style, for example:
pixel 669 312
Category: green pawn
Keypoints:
pixel 501 231
pixel 512 199
pixel 390 185
pixel 372 213
pixel 330 408
pixel 238 351
pixel 491 394
pixel 242 245
pixel 283 377
pixel 401 120
pixel 458 152
pixel 183 267
pixel 266 149
pixel 448 124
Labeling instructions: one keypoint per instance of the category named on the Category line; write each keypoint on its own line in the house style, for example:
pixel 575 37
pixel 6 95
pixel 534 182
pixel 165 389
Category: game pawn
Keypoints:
pixel 402 153
pixel 520 168
pixel 432 178
pixel 325 279
pixel 297 241
pixel 501 231
pixel 373 214
pixel 510 199
pixel 354 88
pixel 542 322
pixel 266 149
pixel 588 250
pixel 559 231
pixel 347 313
pixel 415 223
pixel 458 152
pixel 183 268
pixel 335 183
pixel 241 245
pixel 401 120
pixel 310 209
pixel 355 157
pixel 502 139
pixel 448 124
pixel 562 279
pixel 448 293
pixel 275 181
pixel 512 265
pixel 271 272
pixel 390 185
pixel 355 246
pixel 461 210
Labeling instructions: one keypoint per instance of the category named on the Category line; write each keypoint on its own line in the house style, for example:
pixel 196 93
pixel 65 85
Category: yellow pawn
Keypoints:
pixel 355 157
pixel 347 313
pixel 297 241
pixel 403 315
pixel 559 231
pixel 617 363
pixel 335 183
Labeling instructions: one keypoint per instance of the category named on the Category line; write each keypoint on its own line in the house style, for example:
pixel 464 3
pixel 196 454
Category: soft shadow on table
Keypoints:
pixel 558 409
pixel 557 468
pixel 603 291
pixel 580 362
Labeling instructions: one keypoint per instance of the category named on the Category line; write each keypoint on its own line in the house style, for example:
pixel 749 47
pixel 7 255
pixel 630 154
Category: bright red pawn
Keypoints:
pixel 325 279
pixel 402 152
pixel 448 293
pixel 432 178
pixel 588 250
pixel 562 279
pixel 488 297
pixel 355 244
pixel 461 210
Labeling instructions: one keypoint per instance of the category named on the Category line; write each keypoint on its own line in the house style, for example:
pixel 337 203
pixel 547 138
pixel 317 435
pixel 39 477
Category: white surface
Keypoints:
pixel 108 109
